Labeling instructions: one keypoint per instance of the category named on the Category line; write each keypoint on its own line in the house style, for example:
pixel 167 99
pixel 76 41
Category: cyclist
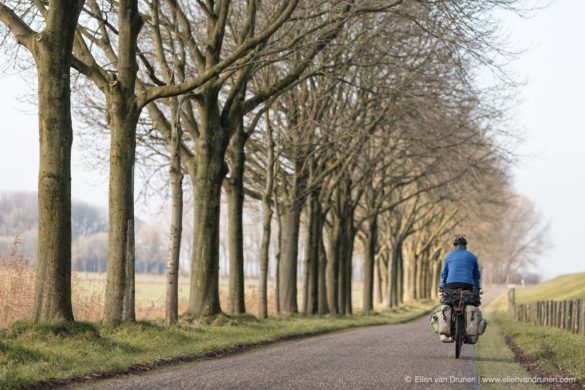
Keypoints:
pixel 461 268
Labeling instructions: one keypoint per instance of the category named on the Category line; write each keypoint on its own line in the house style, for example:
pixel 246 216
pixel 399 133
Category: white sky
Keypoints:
pixel 550 112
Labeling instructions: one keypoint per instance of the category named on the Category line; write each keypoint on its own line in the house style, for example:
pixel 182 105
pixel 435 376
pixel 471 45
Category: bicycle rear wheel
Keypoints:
pixel 458 336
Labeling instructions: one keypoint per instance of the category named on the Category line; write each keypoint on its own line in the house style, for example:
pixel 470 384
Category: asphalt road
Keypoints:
pixel 381 357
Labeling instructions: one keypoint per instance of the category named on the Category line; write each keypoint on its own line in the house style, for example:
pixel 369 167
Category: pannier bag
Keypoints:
pixel 434 320
pixel 452 296
pixel 471 339
pixel 475 323
pixel 444 316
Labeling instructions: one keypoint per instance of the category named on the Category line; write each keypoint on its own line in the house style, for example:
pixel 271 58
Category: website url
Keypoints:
pixel 533 379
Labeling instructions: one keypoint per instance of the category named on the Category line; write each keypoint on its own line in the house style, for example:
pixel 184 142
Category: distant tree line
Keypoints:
pixel 89 224
pixel 358 127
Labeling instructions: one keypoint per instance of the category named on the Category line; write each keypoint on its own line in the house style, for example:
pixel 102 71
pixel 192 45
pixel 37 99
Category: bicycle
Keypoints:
pixel 458 324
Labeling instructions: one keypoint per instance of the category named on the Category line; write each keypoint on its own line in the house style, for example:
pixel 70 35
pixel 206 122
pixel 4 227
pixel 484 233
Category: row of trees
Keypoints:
pixel 358 125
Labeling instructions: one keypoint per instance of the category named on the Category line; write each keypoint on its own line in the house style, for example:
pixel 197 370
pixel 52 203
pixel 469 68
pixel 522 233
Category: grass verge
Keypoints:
pixel 55 353
pixel 548 351
pixel 495 361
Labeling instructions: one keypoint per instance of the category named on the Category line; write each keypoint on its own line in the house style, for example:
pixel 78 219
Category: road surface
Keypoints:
pixel 380 357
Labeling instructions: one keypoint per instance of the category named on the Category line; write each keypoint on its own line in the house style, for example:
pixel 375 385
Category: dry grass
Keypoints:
pixel 17 278
pixel 17 286
pixel 17 293
pixel 16 289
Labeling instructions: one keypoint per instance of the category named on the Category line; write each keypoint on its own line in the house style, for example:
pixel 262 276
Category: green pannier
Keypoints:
pixel 475 323
pixel 440 320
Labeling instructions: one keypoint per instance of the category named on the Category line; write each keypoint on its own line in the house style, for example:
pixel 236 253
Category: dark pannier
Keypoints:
pixel 452 297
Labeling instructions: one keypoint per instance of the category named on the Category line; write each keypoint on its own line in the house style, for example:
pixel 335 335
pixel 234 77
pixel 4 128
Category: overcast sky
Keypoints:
pixel 550 112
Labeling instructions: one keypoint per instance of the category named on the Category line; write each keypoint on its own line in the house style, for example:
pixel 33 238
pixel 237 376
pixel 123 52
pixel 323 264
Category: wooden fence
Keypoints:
pixel 569 315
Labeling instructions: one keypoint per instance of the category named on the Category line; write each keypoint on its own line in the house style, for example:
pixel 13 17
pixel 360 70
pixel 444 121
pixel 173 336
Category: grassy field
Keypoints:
pixel 150 294
pixel 31 354
pixel 565 287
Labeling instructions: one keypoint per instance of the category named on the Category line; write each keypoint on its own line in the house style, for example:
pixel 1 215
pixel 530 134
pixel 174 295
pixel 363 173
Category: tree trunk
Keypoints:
pixel 289 259
pixel 378 278
pixel 266 227
pixel 278 256
pixel 210 151
pixel 52 52
pixel 128 307
pixel 172 297
pixel 351 232
pixel 393 277
pixel 400 284
pixel 119 297
pixel 345 244
pixel 122 114
pixel 323 305
pixel 308 256
pixel 235 195
pixel 333 266
pixel 369 257
pixel 313 243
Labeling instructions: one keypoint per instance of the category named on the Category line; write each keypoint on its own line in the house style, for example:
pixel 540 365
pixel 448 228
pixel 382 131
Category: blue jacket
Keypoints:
pixel 461 266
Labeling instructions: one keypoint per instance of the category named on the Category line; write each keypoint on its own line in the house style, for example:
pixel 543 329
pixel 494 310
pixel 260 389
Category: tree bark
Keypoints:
pixel 289 259
pixel 278 256
pixel 235 195
pixel 119 296
pixel 393 269
pixel 333 266
pixel 122 114
pixel 351 232
pixel 323 302
pixel 210 151
pixel 266 226
pixel 172 296
pixel 313 243
pixel 400 284
pixel 52 53
pixel 369 257
pixel 309 221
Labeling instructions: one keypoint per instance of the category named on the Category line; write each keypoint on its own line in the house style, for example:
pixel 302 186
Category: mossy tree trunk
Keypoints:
pixel 52 52
pixel 211 169
pixel 122 113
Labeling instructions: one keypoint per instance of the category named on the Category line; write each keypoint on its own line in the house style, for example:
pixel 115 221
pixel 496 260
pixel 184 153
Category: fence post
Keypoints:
pixel 511 301
pixel 581 316
pixel 569 324
pixel 574 317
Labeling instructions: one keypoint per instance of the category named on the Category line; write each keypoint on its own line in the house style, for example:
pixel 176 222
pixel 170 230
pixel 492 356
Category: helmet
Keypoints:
pixel 460 241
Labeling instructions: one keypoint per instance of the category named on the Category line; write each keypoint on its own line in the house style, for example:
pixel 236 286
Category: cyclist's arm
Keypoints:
pixel 444 274
pixel 476 275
